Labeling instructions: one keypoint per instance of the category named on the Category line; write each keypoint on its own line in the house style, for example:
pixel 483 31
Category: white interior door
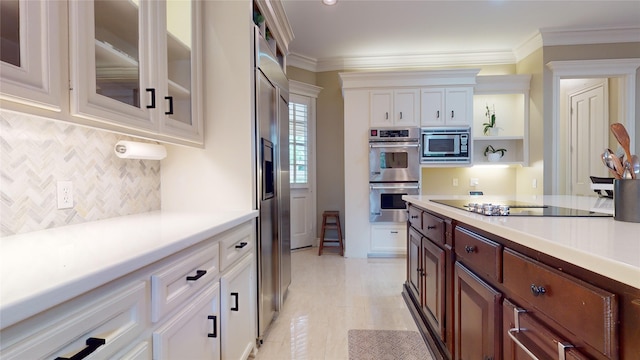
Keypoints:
pixel 302 150
pixel 589 136
pixel 302 217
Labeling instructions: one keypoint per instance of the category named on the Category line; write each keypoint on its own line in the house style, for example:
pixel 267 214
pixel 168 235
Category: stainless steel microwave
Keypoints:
pixel 442 145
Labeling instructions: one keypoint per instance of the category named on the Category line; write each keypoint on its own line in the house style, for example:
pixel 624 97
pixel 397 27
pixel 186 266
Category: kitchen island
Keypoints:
pixel 146 269
pixel 559 271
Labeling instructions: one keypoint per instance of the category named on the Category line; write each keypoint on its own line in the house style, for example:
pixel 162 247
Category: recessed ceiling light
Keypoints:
pixel 329 2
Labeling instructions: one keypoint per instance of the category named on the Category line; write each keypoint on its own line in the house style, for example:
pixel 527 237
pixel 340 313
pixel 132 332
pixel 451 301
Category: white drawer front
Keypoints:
pixel 235 243
pixel 116 320
pixel 182 278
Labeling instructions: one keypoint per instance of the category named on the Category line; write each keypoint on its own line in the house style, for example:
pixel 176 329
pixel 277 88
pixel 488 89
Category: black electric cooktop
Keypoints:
pixel 518 208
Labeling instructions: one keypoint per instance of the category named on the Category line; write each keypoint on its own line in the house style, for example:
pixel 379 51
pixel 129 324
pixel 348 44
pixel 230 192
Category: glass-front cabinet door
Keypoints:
pixel 179 50
pixel 110 48
pixel 30 52
pixel 135 63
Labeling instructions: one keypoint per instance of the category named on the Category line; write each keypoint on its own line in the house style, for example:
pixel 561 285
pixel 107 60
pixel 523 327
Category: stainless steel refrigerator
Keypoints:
pixel 272 183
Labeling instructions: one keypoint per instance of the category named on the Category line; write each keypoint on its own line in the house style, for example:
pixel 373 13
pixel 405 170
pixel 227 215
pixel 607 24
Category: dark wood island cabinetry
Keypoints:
pixel 477 295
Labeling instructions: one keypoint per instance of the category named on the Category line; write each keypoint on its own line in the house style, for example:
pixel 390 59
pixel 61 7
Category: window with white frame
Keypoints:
pixel 299 140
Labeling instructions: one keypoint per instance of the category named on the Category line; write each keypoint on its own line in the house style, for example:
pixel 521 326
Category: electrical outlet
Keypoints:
pixel 534 183
pixel 474 182
pixel 65 194
pixel 455 182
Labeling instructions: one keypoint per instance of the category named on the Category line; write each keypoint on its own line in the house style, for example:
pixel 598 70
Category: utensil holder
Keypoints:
pixel 626 200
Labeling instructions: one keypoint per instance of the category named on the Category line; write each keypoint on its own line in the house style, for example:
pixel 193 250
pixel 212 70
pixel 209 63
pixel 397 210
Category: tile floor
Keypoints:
pixel 329 295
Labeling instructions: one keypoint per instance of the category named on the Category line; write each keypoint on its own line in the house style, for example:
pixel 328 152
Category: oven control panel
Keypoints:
pixel 394 134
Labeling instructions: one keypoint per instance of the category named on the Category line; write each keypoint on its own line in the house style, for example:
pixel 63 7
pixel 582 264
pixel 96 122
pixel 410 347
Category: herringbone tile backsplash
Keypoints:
pixel 36 153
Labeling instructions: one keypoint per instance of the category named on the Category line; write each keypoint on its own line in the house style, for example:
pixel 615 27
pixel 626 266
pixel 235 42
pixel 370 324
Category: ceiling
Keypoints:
pixel 379 33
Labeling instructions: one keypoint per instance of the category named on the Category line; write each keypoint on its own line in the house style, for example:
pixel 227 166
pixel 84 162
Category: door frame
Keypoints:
pixel 625 69
pixel 310 91
pixel 568 91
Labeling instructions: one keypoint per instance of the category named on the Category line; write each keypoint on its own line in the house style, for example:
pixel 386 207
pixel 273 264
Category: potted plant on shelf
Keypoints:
pixel 490 126
pixel 494 154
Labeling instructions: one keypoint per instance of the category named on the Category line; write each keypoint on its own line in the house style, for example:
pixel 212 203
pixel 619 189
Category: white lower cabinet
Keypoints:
pixel 193 333
pixel 180 307
pixel 238 310
pixel 388 239
pixel 98 326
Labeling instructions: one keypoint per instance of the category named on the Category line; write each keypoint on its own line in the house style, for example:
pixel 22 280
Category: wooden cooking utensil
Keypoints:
pixel 622 136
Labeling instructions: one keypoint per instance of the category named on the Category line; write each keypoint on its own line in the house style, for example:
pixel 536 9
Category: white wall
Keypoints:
pixel 218 177
pixel 356 174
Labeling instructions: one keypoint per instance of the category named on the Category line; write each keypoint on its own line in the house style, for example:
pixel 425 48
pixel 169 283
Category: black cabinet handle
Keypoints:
pixel 199 274
pixel 400 115
pixel 170 98
pixel 537 290
pixel 236 307
pixel 213 334
pixel 414 216
pixel 153 98
pixel 92 345
pixel 452 116
pixel 431 227
pixel 469 249
pixel 438 114
pixel 241 245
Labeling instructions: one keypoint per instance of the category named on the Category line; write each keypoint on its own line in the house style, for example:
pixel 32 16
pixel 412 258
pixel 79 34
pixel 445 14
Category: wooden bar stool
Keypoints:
pixel 333 224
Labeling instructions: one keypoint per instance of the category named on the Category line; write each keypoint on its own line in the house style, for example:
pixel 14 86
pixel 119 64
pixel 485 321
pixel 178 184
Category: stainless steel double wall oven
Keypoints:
pixel 394 170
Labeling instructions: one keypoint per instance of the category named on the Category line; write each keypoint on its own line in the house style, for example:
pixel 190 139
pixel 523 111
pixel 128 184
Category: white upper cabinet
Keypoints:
pixel 395 107
pixel 135 64
pixel 180 76
pixel 449 106
pixel 30 52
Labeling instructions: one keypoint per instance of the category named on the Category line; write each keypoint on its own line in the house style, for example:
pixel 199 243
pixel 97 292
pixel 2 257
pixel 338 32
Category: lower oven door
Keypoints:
pixel 385 201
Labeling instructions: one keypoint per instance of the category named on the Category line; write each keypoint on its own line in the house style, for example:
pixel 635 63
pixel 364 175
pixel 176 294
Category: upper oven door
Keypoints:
pixel 394 161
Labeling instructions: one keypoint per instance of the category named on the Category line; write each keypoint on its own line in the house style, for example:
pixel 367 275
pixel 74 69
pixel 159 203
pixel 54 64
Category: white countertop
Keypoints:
pixel 602 245
pixel 44 268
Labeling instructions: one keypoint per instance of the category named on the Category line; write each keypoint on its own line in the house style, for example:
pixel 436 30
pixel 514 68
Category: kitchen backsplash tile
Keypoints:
pixel 35 153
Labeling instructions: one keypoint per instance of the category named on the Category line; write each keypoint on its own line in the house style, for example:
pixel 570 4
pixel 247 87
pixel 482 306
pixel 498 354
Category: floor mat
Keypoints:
pixel 387 345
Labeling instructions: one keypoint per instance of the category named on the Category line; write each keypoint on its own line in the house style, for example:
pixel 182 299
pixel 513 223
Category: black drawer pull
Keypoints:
pixel 470 249
pixel 199 274
pixel 431 227
pixel 537 290
pixel 415 216
pixel 237 306
pixel 213 334
pixel 170 98
pixel 92 345
pixel 153 98
pixel 241 245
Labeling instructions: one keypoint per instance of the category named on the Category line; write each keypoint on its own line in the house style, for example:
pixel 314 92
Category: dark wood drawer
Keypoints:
pixel 478 253
pixel 586 311
pixel 433 227
pixel 415 217
pixel 522 334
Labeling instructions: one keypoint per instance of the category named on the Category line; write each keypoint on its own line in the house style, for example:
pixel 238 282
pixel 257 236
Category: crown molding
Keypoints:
pixel 544 37
pixel 527 47
pixel 402 61
pixel 584 36
pixel 300 88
